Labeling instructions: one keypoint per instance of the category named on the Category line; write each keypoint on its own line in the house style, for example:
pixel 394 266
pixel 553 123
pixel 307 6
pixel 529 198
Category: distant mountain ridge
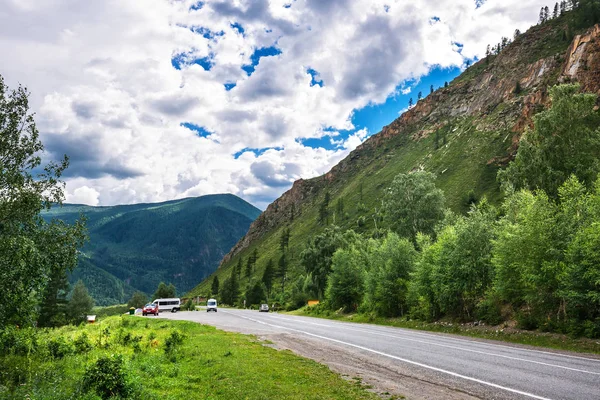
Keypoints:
pixel 134 247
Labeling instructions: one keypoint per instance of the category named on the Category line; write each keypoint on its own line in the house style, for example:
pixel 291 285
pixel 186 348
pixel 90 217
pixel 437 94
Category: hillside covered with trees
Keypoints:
pixel 134 247
pixel 479 203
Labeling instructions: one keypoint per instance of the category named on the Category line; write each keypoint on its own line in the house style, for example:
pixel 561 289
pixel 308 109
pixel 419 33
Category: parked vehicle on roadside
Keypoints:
pixel 150 308
pixel 172 305
pixel 211 305
pixel 264 308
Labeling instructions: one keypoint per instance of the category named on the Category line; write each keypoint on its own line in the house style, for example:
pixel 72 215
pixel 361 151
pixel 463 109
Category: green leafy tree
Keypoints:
pixel 564 141
pixel 31 250
pixel 391 261
pixel 81 303
pixel 214 288
pixel 413 204
pixel 346 281
pixel 164 291
pixel 137 300
pixel 316 257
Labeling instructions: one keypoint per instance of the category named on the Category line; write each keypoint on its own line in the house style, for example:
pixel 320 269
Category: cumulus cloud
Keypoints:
pixel 112 82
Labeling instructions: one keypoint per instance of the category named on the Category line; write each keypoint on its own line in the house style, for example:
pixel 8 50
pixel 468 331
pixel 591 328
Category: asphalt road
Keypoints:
pixel 480 369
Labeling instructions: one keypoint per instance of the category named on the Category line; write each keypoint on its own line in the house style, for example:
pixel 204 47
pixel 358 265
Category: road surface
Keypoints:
pixel 419 364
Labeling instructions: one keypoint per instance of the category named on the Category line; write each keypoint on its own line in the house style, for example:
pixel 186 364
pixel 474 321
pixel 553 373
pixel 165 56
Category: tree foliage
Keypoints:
pixel 317 255
pixel 164 291
pixel 137 300
pixel 413 204
pixel 565 140
pixel 81 303
pixel 32 251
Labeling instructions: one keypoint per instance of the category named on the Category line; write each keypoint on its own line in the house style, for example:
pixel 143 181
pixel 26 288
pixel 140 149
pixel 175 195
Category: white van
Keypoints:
pixel 211 305
pixel 172 305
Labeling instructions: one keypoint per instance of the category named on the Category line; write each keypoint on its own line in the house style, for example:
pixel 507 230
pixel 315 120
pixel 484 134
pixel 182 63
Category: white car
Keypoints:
pixel 211 305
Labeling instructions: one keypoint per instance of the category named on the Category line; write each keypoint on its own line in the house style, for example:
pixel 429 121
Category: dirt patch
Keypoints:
pixel 387 379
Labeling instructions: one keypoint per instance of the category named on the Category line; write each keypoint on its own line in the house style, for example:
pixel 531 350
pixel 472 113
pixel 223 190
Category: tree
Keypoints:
pixel 282 271
pixel 267 278
pixel 238 268
pixel 516 34
pixel 164 291
pixel 565 140
pixel 316 256
pixel 541 18
pixel 345 283
pixel 81 303
pixel 413 204
pixel 255 295
pixel 386 285
pixel 419 96
pixel 517 89
pixel 446 84
pixel 138 300
pixel 31 249
pixel 230 290
pixel 284 239
pixel 410 102
pixel 430 89
pixel 555 12
pixel 324 210
pixel 214 288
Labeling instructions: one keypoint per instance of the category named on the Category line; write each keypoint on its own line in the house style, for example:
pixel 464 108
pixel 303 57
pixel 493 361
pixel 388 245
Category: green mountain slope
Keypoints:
pixel 134 247
pixel 463 133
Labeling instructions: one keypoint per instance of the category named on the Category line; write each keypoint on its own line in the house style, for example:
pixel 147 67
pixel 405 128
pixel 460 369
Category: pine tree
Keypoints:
pixel 541 19
pixel 419 96
pixel 214 288
pixel 238 268
pixel 81 303
pixel 517 90
pixel 516 34
pixel 446 84
pixel 410 102
pixel 555 12
pixel 546 13
pixel 430 89
pixel 267 277
pixel 282 271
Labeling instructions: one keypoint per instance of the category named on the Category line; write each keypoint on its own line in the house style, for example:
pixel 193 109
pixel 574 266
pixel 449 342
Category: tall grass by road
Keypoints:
pixel 148 358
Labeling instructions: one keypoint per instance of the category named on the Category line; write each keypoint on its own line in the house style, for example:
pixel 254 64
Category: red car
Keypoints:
pixel 150 308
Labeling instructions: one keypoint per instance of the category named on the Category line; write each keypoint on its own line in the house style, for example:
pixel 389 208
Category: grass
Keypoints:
pixel 166 360
pixel 500 333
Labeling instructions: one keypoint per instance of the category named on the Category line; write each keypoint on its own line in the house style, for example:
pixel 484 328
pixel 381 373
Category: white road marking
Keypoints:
pixel 398 358
pixel 450 347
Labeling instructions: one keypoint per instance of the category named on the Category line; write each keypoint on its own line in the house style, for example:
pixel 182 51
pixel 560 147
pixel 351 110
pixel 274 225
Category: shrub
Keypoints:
pixel 173 341
pixel 58 347
pixel 108 378
pixel 14 340
pixel 82 343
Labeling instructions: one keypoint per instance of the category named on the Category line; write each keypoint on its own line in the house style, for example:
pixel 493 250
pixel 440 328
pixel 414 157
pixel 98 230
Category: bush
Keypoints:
pixel 189 305
pixel 58 347
pixel 173 341
pixel 18 341
pixel 489 311
pixel 82 343
pixel 107 377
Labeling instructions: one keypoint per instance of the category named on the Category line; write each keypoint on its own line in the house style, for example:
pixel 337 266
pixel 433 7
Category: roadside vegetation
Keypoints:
pixel 146 358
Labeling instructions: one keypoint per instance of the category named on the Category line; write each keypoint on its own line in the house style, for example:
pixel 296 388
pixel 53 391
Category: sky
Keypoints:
pixel 154 100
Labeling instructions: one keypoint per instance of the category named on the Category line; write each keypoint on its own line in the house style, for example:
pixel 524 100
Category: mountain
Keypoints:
pixel 464 133
pixel 135 247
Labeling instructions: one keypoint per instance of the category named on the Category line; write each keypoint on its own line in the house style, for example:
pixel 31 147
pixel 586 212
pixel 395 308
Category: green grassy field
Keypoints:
pixel 160 360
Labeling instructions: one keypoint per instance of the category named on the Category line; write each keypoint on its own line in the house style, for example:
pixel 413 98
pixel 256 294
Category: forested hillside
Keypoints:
pixel 443 157
pixel 135 247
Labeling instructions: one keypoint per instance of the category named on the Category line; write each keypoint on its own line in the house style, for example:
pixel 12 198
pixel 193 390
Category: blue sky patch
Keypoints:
pixel 197 6
pixel 238 27
pixel 257 55
pixel 316 80
pixel 229 86
pixel 205 32
pixel 200 130
pixel 257 152
pixel 181 60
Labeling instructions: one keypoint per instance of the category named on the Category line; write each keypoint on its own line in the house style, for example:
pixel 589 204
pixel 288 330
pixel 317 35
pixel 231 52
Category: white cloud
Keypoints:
pixel 105 91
